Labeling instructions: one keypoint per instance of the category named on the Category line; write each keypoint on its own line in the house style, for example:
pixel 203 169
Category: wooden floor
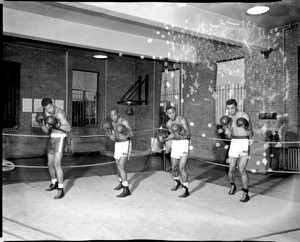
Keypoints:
pixel 91 211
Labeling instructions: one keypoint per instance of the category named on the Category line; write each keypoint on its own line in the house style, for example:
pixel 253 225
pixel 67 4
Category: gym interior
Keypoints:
pixel 156 54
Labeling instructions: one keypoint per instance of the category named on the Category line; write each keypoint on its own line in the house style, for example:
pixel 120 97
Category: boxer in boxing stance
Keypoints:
pixel 120 132
pixel 238 127
pixel 53 121
pixel 180 135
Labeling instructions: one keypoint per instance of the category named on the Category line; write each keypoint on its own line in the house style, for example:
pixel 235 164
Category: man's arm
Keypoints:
pixel 249 130
pixel 185 133
pixel 64 124
pixel 129 129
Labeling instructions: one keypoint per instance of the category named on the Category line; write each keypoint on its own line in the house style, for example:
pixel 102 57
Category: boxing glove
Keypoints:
pixel 225 120
pixel 160 137
pixel 176 128
pixel 52 121
pixel 107 126
pixel 121 129
pixel 242 122
pixel 40 117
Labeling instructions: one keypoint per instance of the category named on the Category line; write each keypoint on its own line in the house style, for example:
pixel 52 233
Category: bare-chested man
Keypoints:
pixel 239 128
pixel 180 136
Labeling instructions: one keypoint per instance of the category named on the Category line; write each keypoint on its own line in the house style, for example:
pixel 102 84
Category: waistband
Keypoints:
pixel 58 135
pixel 123 140
pixel 240 137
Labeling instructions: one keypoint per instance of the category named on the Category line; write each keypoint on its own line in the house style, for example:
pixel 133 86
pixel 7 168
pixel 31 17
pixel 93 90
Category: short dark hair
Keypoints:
pixel 46 101
pixel 170 107
pixel 114 109
pixel 231 101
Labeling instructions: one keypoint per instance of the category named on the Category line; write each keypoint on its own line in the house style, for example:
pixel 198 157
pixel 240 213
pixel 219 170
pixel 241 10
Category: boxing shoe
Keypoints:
pixel 245 197
pixel 52 187
pixel 185 193
pixel 119 187
pixel 60 193
pixel 177 184
pixel 125 193
pixel 232 189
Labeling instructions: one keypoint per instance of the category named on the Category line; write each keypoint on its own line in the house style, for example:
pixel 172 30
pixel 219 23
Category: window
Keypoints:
pixel 170 93
pixel 10 94
pixel 230 84
pixel 84 98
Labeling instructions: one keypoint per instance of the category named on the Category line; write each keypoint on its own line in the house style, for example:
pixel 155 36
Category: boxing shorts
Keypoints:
pixel 57 143
pixel 239 146
pixel 122 149
pixel 180 148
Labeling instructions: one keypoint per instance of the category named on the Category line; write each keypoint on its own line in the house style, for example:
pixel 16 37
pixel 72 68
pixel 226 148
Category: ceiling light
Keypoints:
pixel 100 56
pixel 258 10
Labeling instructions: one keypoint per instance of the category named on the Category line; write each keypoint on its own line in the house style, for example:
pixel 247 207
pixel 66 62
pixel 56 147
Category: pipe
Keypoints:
pixel 67 81
pixel 153 100
pixel 105 89
pixel 283 86
pixel 181 89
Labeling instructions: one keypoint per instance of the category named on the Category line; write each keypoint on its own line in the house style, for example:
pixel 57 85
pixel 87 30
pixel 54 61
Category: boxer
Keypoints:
pixel 180 135
pixel 53 121
pixel 238 127
pixel 120 132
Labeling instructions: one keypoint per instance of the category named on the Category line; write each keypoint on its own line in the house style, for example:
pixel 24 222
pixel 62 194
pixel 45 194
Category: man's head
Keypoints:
pixel 231 106
pixel 48 105
pixel 114 114
pixel 171 112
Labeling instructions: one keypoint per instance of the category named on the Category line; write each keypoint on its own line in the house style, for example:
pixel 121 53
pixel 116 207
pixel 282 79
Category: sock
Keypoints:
pixel 245 190
pixel 60 185
pixel 186 184
pixel 125 183
pixel 120 179
pixel 53 181
pixel 176 178
pixel 232 183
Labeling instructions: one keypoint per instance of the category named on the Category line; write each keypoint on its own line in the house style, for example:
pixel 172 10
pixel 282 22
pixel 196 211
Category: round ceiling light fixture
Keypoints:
pixel 258 10
pixel 100 56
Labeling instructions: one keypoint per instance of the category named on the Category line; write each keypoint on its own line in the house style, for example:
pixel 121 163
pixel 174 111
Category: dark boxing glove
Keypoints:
pixel 107 126
pixel 52 121
pixel 160 137
pixel 242 122
pixel 225 120
pixel 40 118
pixel 121 129
pixel 178 129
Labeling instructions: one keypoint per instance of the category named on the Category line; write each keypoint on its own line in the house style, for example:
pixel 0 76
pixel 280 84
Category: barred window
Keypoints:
pixel 230 85
pixel 84 99
pixel 10 94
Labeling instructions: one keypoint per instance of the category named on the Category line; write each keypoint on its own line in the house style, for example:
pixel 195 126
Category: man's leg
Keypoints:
pixel 242 169
pixel 175 173
pixel 120 186
pixel 54 182
pixel 184 176
pixel 121 168
pixel 231 174
pixel 59 172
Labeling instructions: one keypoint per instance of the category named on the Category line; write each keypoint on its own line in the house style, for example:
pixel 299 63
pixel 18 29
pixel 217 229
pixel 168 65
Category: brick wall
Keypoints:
pixel 267 84
pixel 270 87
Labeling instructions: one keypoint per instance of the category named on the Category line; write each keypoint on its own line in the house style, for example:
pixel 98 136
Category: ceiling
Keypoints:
pixel 281 13
pixel 130 18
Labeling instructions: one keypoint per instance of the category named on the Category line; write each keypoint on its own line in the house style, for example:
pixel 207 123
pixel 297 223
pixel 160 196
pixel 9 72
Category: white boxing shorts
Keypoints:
pixel 180 148
pixel 57 143
pixel 122 149
pixel 239 147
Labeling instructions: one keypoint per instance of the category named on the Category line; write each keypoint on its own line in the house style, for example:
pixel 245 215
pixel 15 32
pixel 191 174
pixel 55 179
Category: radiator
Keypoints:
pixel 293 159
pixel 86 144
